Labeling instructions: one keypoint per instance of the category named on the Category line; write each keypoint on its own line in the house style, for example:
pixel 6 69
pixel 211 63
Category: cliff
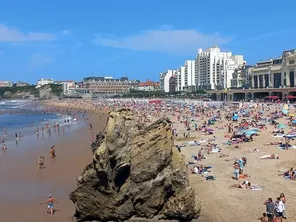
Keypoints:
pixel 25 92
pixel 136 173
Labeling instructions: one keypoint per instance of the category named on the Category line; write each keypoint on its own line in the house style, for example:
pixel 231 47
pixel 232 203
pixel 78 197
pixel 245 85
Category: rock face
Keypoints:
pixel 136 173
pixel 45 92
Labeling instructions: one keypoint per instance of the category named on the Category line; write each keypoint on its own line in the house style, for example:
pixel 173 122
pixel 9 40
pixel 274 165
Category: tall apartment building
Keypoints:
pixel 185 77
pixel 214 69
pixel 164 79
pixel 190 75
pixel 180 75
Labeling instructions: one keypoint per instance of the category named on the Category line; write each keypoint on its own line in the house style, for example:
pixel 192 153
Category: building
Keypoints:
pixel 21 84
pixel 6 83
pixel 180 78
pixel 165 79
pixel 44 81
pixel 275 73
pixel 109 84
pixel 148 86
pixel 241 77
pixel 69 87
pixel 190 73
pixel 173 84
pixel 214 69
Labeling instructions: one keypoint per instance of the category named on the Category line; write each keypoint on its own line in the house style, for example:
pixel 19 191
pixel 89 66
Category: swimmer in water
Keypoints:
pixel 52 152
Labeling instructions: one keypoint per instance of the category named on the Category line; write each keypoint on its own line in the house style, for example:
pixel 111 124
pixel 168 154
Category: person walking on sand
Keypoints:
pixel 50 205
pixel 279 208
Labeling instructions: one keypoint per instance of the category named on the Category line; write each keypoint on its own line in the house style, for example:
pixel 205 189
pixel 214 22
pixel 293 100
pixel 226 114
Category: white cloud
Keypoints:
pixel 37 60
pixel 165 39
pixel 9 34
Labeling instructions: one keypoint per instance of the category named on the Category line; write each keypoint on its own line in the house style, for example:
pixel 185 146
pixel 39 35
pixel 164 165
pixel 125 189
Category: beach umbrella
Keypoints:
pixel 210 130
pixel 281 126
pixel 235 117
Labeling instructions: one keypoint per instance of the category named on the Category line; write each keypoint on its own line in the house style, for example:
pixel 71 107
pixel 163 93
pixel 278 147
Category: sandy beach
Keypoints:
pixel 25 186
pixel 219 201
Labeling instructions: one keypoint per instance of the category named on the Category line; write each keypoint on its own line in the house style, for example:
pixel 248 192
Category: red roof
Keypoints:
pixel 149 83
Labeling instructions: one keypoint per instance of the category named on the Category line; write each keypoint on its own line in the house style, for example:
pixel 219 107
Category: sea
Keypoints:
pixel 20 119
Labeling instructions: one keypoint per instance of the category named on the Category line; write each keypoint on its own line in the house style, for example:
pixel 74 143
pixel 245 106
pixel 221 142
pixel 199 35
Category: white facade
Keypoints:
pixel 68 87
pixel 165 79
pixel 43 81
pixel 180 78
pixel 214 68
pixel 189 73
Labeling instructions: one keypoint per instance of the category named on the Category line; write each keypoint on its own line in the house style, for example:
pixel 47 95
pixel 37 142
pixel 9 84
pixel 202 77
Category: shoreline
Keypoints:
pixel 23 187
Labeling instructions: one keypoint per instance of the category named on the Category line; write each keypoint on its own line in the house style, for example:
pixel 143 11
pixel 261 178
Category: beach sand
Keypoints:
pixel 219 201
pixel 26 186
pixel 222 203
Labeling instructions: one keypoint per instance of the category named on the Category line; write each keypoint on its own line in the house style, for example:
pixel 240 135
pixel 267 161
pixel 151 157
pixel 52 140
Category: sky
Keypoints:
pixel 70 40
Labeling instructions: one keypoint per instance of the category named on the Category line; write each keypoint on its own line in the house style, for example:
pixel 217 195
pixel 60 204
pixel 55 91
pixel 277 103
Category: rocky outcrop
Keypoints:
pixel 45 92
pixel 136 174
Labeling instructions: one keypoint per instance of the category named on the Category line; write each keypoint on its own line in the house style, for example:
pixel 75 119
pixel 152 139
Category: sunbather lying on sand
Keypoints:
pixel 244 185
pixel 272 156
pixel 272 143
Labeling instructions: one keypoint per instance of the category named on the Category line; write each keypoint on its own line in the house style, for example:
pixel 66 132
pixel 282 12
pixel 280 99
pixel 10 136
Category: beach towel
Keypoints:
pixel 256 187
pixel 216 150
pixel 279 135
pixel 193 143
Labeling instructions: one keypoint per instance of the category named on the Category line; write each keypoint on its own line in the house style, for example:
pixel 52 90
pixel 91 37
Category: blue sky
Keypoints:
pixel 135 38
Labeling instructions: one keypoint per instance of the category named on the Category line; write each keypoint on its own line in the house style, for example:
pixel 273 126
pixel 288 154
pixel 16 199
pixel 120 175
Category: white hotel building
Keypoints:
pixel 165 79
pixel 214 69
pixel 211 69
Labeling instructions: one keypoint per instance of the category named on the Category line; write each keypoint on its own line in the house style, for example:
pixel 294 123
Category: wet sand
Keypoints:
pixel 23 187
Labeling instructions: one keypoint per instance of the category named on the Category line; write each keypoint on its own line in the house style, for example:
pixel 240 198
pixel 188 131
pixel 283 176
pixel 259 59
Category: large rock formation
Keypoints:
pixel 136 173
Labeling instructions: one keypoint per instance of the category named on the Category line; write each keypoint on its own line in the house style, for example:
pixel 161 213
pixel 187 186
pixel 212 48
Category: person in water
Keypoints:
pixel 52 152
pixel 50 205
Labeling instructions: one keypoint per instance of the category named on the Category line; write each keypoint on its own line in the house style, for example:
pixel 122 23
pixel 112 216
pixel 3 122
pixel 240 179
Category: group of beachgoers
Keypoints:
pixel 275 210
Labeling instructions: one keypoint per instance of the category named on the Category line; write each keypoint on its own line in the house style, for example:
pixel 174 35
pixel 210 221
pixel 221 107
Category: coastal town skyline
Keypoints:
pixel 133 44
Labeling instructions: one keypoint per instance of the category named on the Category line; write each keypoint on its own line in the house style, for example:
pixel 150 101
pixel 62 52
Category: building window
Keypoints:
pixel 291 62
pixel 261 81
pixel 256 82
pixel 277 79
pixel 292 82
